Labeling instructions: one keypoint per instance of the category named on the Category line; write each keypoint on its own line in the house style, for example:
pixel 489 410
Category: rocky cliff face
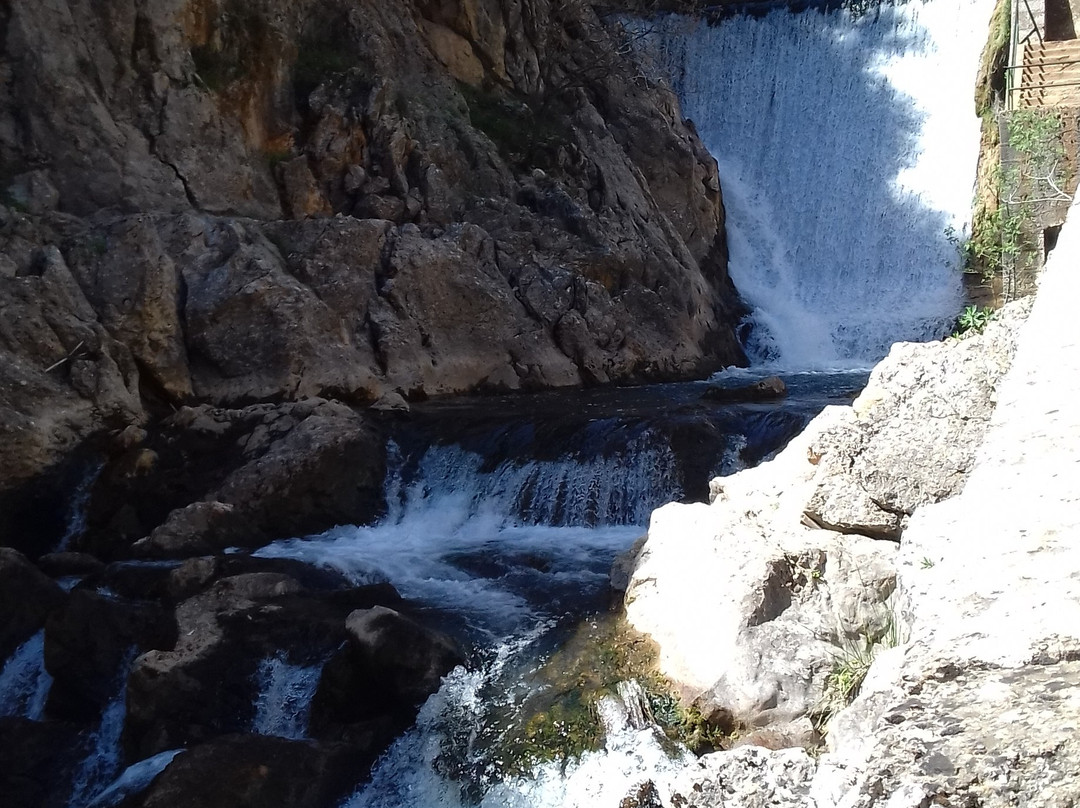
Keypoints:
pixel 224 202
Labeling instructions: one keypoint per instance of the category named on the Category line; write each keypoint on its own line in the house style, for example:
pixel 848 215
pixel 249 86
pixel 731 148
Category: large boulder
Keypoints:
pixel 912 435
pixel 90 642
pixel 245 771
pixel 27 598
pixel 749 606
pixel 389 666
pixel 208 478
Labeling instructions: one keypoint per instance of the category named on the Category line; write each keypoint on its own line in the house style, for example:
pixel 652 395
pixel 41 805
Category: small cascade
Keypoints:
pixel 285 693
pixel 24 682
pixel 847 142
pixel 622 488
pixel 447 758
pixel 75 523
pixel 505 527
pixel 134 779
pixel 451 758
pixel 102 763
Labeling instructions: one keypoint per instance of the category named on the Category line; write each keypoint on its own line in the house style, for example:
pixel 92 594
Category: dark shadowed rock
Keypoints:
pixel 249 771
pixel 61 565
pixel 88 642
pixel 36 762
pixel 206 684
pixel 390 665
pixel 27 598
pixel 224 477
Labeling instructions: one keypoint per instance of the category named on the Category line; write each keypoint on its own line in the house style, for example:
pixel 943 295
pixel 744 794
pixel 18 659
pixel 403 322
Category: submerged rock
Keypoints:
pixel 768 389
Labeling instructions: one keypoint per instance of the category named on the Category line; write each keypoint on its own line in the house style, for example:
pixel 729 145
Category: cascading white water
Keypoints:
pixel 284 702
pixel 414 773
pixel 102 762
pixel 479 543
pixel 24 682
pixel 75 524
pixel 847 148
pixel 134 779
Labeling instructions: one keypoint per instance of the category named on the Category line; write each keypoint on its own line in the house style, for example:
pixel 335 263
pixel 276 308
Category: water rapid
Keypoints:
pixel 847 144
pixel 504 519
pixel 284 701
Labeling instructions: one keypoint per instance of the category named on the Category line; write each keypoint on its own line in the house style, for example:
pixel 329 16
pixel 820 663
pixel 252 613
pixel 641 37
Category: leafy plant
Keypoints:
pixel 973 319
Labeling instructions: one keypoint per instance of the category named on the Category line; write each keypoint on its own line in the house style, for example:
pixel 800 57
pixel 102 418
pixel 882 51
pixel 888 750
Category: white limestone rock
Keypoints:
pixel 750 606
pixel 912 434
pixel 748 777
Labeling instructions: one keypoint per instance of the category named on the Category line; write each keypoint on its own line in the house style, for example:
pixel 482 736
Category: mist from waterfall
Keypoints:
pixel 847 146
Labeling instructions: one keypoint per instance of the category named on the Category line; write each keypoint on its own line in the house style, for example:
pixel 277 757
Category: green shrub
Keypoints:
pixel 972 320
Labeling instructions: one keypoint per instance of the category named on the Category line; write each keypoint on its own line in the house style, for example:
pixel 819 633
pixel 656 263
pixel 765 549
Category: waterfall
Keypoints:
pixel 24 682
pixel 505 521
pixel 75 522
pixel 102 762
pixel 621 488
pixel 847 146
pixel 284 702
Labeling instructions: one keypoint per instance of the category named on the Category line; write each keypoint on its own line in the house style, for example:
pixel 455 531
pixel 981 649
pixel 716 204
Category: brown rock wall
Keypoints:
pixel 234 202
